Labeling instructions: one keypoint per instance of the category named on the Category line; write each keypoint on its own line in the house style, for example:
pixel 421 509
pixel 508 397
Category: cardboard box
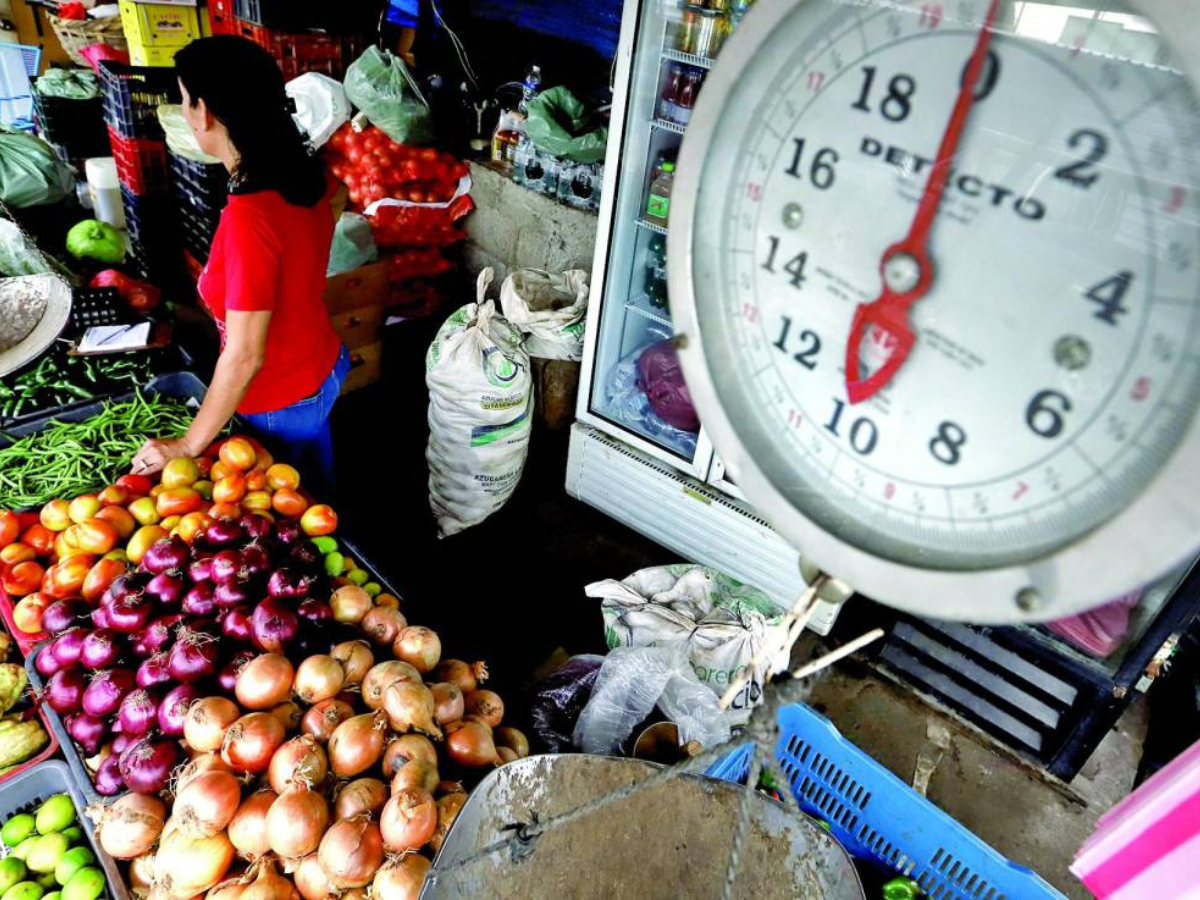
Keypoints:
pixel 359 327
pixel 366 365
pixel 364 286
pixel 141 55
pixel 159 24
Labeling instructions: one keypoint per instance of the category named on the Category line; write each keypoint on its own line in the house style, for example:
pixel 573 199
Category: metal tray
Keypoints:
pixel 30 788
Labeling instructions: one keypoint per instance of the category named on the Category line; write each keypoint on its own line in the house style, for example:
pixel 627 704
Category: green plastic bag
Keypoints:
pixel 381 86
pixel 69 84
pixel 30 173
pixel 353 244
pixel 556 124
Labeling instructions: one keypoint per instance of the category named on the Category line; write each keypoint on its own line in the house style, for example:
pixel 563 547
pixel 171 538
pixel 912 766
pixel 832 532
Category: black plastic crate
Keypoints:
pixel 204 188
pixel 132 95
pixel 197 236
pixel 75 128
pixel 150 219
pixel 98 306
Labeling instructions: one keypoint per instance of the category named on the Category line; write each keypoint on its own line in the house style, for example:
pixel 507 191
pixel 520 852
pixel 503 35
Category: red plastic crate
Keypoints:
pixel 298 53
pixel 221 18
pixel 141 163
pixel 25 642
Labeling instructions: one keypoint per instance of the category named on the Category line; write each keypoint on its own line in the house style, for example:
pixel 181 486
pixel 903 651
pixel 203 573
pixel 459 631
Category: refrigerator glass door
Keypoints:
pixel 637 390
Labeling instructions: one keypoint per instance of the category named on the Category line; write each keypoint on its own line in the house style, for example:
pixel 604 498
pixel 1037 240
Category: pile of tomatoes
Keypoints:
pixel 76 547
pixel 374 167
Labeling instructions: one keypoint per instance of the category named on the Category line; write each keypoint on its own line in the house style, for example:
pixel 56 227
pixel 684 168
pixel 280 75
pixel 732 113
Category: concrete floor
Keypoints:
pixel 511 591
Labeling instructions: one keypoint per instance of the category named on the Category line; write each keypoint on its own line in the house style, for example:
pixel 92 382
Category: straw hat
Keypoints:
pixel 47 330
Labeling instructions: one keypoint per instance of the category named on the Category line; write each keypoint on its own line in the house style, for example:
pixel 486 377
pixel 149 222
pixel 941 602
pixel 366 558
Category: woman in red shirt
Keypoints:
pixel 281 365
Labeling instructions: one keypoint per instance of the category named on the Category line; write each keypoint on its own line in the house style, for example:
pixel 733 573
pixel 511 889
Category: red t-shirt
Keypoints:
pixel 270 255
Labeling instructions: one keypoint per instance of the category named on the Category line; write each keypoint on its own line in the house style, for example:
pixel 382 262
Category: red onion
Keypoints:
pixel 314 610
pixel 200 569
pixel 227 677
pixel 146 766
pixel 225 566
pixel 159 634
pixel 122 742
pixel 304 555
pixel 153 671
pixel 288 531
pixel 169 555
pixel 138 713
pixel 129 614
pixel 46 663
pixel 258 528
pixel 192 658
pixel 108 779
pixel 223 533
pixel 100 616
pixel 199 600
pixel 100 649
pixel 255 561
pixel 236 624
pixel 288 583
pixel 172 714
pixel 87 731
pixel 167 588
pixel 273 626
pixel 103 695
pixel 64 614
pixel 230 593
pixel 68 647
pixel 124 584
pixel 198 627
pixel 64 691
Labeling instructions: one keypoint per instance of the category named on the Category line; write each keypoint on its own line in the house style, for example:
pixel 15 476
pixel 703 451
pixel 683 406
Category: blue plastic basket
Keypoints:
pixel 878 817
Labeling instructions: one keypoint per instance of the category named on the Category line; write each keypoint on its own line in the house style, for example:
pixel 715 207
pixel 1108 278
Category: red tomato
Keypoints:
pixel 281 476
pixel 96 536
pixel 318 520
pixel 22 578
pixel 99 577
pixel 427 153
pixel 238 454
pixel 40 538
pixel 354 155
pixel 180 472
pixel 256 479
pixel 178 501
pixel 10 527
pixel 17 552
pixel 27 615
pixel 289 502
pixel 225 511
pixel 143 539
pixel 121 519
pixel 192 525
pixel 137 485
pixel 258 501
pixel 219 471
pixel 229 489
pixel 56 515
pixel 204 464
pixel 65 579
pixel 114 495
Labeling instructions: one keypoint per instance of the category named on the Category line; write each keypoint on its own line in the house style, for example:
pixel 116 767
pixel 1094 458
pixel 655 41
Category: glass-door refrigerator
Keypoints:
pixel 638 451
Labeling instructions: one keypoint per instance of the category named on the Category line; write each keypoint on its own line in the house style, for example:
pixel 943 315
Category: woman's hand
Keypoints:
pixel 155 454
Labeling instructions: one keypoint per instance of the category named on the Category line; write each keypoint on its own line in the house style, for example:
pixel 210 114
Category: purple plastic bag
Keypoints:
pixel 658 368
pixel 557 700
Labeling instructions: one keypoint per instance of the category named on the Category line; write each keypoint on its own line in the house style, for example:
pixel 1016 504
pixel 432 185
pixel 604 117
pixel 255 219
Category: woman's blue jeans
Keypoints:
pixel 300 432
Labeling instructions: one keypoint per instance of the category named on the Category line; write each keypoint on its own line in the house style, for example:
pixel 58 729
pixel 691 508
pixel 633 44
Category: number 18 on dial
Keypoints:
pixel 942 293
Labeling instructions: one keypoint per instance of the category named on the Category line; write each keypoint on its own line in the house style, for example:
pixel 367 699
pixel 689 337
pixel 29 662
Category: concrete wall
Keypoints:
pixel 512 228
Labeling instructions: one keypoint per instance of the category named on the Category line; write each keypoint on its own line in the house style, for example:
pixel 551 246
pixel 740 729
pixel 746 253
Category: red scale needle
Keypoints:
pixel 889 313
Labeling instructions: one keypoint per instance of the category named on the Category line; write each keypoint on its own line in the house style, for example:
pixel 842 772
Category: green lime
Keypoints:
pixel 372 589
pixel 12 870
pixel 74 834
pixel 46 880
pixel 72 861
pixel 26 890
pixel 56 814
pixel 46 853
pixel 324 544
pixel 335 564
pixel 357 576
pixel 86 884
pixel 17 829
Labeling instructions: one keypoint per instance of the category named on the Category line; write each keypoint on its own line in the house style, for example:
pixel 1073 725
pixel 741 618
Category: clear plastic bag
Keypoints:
pixel 353 244
pixel 30 172
pixel 381 86
pixel 632 682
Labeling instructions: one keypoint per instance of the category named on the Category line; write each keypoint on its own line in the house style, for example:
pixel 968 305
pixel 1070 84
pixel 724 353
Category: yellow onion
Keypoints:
pixel 188 864
pixel 401 879
pixel 356 659
pixel 296 821
pixel 449 807
pixel 208 803
pixel 408 820
pixel 130 826
pixel 364 795
pixel 311 880
pixel 416 773
pixel 382 676
pixel 357 744
pixel 351 852
pixel 248 828
pixel 268 884
pixel 410 707
pixel 301 758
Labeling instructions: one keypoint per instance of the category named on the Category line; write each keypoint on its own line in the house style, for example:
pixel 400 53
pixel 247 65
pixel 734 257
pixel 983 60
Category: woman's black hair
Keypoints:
pixel 242 87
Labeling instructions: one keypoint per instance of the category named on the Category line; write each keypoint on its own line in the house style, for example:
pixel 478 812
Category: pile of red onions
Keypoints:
pixel 124 670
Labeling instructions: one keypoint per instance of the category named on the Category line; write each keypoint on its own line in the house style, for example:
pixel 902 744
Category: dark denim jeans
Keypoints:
pixel 300 432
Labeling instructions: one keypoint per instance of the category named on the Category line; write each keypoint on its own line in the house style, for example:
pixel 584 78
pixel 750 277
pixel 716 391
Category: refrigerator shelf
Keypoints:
pixel 651 226
pixel 666 125
pixel 642 306
pixel 699 62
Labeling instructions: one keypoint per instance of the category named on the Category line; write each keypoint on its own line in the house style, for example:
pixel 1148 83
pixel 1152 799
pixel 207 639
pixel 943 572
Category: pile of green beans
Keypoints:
pixel 59 380
pixel 66 459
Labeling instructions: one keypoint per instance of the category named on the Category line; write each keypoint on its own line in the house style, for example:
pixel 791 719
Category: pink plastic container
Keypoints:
pixel 1148 845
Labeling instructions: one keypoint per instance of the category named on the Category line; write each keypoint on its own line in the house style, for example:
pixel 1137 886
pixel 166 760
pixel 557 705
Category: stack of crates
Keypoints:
pixel 132 96
pixel 157 31
pixel 200 192
pixel 302 35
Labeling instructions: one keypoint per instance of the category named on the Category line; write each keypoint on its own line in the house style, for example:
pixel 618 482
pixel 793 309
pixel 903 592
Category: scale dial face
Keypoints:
pixel 1055 372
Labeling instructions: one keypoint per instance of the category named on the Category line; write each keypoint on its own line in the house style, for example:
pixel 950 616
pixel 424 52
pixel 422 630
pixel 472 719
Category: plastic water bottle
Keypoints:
pixel 529 89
